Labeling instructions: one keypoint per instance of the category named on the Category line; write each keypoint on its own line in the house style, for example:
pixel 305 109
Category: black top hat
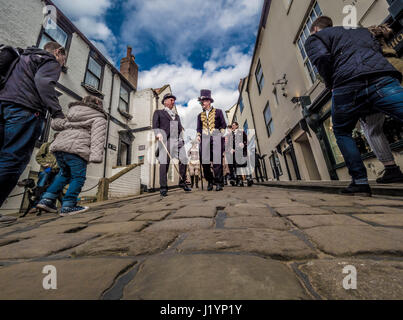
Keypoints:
pixel 167 96
pixel 205 94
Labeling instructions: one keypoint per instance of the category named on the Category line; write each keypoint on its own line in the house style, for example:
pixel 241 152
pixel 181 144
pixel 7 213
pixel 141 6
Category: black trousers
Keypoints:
pixel 178 152
pixel 211 150
pixel 217 178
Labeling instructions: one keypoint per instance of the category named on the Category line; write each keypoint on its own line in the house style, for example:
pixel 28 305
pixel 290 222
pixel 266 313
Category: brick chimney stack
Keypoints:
pixel 129 68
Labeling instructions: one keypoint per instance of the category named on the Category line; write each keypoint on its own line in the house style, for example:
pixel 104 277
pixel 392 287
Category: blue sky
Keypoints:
pixel 189 44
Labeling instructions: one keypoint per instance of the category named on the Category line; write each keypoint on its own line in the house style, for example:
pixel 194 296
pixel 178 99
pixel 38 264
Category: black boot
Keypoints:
pixel 210 186
pixel 392 174
pixel 164 192
pixel 357 190
pixel 184 186
pixel 219 187
pixel 197 182
pixel 192 180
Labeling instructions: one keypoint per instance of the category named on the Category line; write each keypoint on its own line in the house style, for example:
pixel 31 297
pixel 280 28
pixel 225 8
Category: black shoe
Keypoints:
pixel 210 186
pixel 391 175
pixel 233 183
pixel 357 190
pixel 219 188
pixel 185 187
pixel 250 182
pixel 164 192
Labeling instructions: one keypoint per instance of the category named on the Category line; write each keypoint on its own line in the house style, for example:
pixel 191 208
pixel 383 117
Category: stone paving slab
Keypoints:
pixel 43 246
pixel 118 217
pixel 83 218
pixel 390 220
pixel 117 227
pixel 206 211
pixel 238 211
pixel 382 209
pixel 375 279
pixel 379 202
pixel 351 210
pixel 181 225
pixel 213 277
pixel 350 240
pixel 273 243
pixel 130 244
pixel 298 210
pixel 48 230
pixel 256 222
pixel 76 279
pixel 305 222
pixel 153 216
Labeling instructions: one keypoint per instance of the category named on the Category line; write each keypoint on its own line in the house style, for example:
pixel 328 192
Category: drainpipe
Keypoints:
pixel 109 123
pixel 154 165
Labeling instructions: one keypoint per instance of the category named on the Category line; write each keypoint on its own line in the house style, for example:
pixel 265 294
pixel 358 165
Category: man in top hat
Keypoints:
pixel 168 128
pixel 210 130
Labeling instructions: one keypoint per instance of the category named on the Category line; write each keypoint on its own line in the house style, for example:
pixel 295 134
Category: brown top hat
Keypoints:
pixel 167 96
pixel 205 94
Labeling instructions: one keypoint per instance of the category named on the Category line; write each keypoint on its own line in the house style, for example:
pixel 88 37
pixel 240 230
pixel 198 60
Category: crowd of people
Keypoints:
pixel 356 64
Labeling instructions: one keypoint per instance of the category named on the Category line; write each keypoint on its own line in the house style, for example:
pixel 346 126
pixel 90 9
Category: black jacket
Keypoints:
pixel 342 55
pixel 32 83
pixel 162 124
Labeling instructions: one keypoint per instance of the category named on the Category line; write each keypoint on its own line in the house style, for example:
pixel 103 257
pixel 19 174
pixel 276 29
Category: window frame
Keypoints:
pixel 268 123
pixel 92 55
pixel 65 29
pixel 125 87
pixel 303 35
pixel 260 82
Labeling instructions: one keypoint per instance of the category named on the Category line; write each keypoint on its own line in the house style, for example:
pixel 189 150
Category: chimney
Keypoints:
pixel 129 68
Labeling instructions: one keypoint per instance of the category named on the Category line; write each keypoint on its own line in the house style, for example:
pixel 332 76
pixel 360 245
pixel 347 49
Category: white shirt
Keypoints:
pixel 170 112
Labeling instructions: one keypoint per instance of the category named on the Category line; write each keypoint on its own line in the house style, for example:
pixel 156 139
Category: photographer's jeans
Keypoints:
pixel 358 100
pixel 20 128
pixel 73 170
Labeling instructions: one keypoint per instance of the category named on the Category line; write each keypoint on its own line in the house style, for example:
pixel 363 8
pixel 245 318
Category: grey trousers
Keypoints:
pixel 373 130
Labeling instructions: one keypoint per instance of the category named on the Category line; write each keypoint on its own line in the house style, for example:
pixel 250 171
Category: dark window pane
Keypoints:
pixel 95 68
pixel 124 94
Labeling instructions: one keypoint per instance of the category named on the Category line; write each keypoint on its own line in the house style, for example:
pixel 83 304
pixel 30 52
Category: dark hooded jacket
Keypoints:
pixel 342 55
pixel 32 83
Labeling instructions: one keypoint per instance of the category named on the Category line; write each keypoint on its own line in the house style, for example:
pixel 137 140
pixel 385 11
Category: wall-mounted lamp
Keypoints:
pixel 304 101
pixel 282 82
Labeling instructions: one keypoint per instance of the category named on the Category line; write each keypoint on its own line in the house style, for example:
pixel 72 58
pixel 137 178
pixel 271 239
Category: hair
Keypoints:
pixel 322 22
pixel 52 46
pixel 93 100
pixel 236 123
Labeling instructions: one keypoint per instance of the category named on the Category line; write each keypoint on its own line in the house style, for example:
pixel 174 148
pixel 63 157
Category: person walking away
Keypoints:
pixel 74 148
pixel 362 82
pixel 26 96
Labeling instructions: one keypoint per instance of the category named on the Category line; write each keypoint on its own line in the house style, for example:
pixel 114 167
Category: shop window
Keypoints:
pixel 305 33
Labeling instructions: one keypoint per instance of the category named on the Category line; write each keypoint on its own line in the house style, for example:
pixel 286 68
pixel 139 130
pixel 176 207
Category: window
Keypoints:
pixel 241 105
pixel 287 4
pixel 268 119
pixel 124 99
pixel 50 34
pixel 245 127
pixel 259 76
pixel 94 73
pixel 305 33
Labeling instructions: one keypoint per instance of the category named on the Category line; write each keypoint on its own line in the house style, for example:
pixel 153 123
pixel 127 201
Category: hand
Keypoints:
pixel 198 139
pixel 159 137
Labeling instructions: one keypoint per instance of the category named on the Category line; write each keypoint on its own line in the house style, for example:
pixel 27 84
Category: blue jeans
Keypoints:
pixel 355 101
pixel 73 170
pixel 19 129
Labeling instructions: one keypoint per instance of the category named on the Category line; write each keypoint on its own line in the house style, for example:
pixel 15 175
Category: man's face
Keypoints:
pixel 234 127
pixel 206 104
pixel 60 55
pixel 169 103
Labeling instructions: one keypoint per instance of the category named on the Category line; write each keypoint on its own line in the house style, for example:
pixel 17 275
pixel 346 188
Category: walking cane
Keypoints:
pixel 169 155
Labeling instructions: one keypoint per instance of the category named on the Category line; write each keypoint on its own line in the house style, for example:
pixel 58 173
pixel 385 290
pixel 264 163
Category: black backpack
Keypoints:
pixel 9 57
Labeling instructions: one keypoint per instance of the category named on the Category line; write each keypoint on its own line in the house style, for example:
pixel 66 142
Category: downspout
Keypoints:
pixel 154 164
pixel 109 123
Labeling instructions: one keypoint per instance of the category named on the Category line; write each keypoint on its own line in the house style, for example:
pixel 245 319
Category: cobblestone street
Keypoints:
pixel 242 243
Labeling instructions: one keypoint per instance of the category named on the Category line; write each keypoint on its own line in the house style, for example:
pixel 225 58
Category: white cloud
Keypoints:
pixel 177 27
pixel 222 77
pixel 88 16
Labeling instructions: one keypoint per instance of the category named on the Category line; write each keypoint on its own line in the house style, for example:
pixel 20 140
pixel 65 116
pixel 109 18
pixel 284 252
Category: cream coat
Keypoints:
pixel 83 132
